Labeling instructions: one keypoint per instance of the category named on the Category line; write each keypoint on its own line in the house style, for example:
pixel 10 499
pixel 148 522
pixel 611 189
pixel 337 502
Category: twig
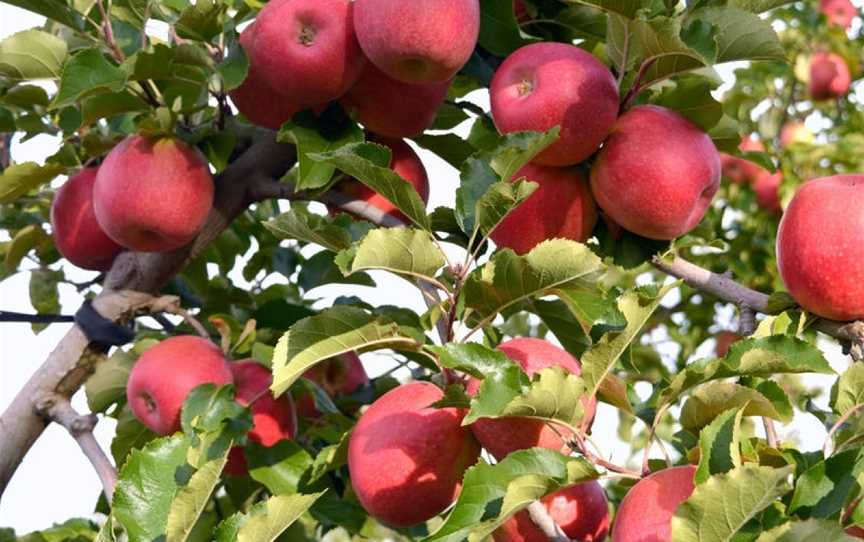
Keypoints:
pixel 5 150
pixel 652 432
pixel 541 518
pixel 770 432
pixel 637 84
pixel 58 409
pixel 829 438
pixel 108 33
pixel 191 320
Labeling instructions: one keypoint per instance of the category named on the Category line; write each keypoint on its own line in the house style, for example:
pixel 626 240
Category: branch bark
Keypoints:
pixel 128 289
pixel 541 518
pixel 5 151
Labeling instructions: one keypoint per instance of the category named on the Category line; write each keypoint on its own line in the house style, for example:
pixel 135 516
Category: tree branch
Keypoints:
pixel 58 409
pixel 128 289
pixel 5 151
pixel 541 518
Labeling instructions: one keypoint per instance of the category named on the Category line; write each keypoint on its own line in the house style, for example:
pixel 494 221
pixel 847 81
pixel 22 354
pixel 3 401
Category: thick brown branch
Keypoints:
pixel 58 409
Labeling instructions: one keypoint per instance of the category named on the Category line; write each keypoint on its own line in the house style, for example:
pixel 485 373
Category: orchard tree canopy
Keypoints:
pixel 626 232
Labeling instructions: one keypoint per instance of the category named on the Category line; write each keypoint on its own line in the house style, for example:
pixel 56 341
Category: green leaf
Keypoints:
pixel 335 331
pixel 499 31
pixel 450 147
pixel 43 290
pixel 131 435
pixel 404 251
pixel 32 54
pixel 147 485
pixel 320 269
pixel 487 167
pixel 563 324
pixel 627 8
pixel 104 106
pixel 330 458
pixel 369 164
pixel 25 240
pixel 213 421
pixel 279 468
pixel 509 278
pixel 107 385
pixel 593 308
pixel 191 500
pixel 313 134
pixel 201 21
pixel 811 530
pixel 55 10
pixel 334 234
pixel 718 508
pixel 266 520
pixel 848 392
pixel 740 35
pixel 716 397
pixel 18 179
pixel 822 490
pixel 499 201
pixel 85 74
pixel 555 395
pixel 514 482
pixel 691 97
pixel 234 68
pixel 637 306
pixel 719 445
pixel 759 6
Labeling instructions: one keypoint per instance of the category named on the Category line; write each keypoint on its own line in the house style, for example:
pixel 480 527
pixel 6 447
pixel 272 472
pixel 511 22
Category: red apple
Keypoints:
pixel 341 375
pixel 646 513
pixel 725 339
pixel 561 207
pixel 164 375
pixel 306 50
pixel 392 108
pixel 820 247
pixel 857 532
pixel 795 132
pixel 520 10
pixel 838 12
pixel 829 76
pixel 421 41
pixel 153 195
pixel 77 234
pixel 501 436
pixel 403 161
pixel 581 511
pixel 543 85
pixel 656 174
pixel 739 170
pixel 261 103
pixel 407 459
pixel 273 419
pixel 767 188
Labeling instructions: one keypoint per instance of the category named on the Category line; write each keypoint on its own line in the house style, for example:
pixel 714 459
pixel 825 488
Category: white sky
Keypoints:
pixel 55 481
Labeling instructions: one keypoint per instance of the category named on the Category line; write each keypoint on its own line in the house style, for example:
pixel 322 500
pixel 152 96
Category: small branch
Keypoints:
pixel 771 433
pixel 5 151
pixel 265 188
pixel 637 84
pixel 541 518
pixel 191 320
pixel 746 321
pixel 58 409
pixel 652 432
pixel 829 438
pixel 361 209
pixel 108 33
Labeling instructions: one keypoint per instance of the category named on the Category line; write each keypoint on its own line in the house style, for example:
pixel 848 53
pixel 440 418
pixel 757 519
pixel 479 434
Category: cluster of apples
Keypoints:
pixel 829 73
pixel 149 195
pixel 765 184
pixel 165 375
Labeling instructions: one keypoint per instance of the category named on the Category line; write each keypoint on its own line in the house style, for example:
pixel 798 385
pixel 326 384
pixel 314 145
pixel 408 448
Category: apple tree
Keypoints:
pixel 635 241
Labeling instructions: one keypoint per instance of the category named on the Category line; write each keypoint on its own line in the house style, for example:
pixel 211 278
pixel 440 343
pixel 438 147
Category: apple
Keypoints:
pixel 501 436
pixel 767 188
pixel 543 85
pixel 164 376
pixel 273 419
pixel 306 50
pixel 656 174
pixel 560 207
pixel 520 10
pixel 421 41
pixel 857 532
pixel 725 339
pixel 739 170
pixel 405 162
pixel 819 247
pixel 646 513
pixel 581 510
pixel 259 102
pixel 838 12
pixel 406 459
pixel 340 375
pixel 795 132
pixel 829 76
pixel 392 108
pixel 153 195
pixel 77 234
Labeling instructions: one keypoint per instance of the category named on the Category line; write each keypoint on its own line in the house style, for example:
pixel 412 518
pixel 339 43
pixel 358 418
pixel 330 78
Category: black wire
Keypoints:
pixel 7 316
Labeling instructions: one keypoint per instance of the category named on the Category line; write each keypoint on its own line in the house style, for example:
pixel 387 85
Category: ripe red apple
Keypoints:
pixel 767 188
pixel 406 459
pixel 422 41
pixel 273 419
pixel 838 12
pixel 307 50
pixel 403 161
pixel 261 103
pixel 581 511
pixel 393 108
pixel 501 436
pixel 520 10
pixel 857 532
pixel 656 174
pixel 829 76
pixel 725 339
pixel 77 234
pixel 341 375
pixel 561 207
pixel 164 375
pixel 153 195
pixel 820 250
pixel 646 513
pixel 739 170
pixel 795 132
pixel 543 85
